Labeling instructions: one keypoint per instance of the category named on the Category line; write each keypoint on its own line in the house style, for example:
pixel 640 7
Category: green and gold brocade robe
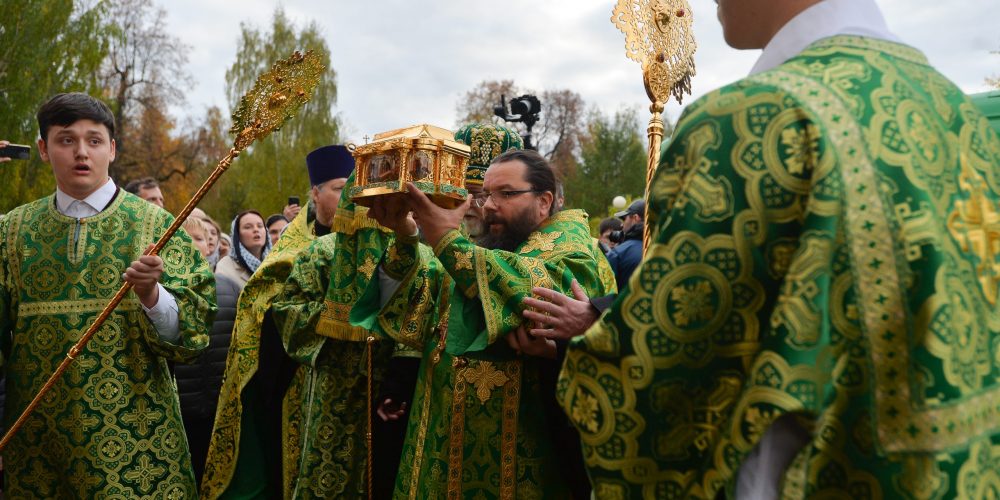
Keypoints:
pixel 227 448
pixel 313 416
pixel 111 426
pixel 826 240
pixel 477 427
pixel 312 318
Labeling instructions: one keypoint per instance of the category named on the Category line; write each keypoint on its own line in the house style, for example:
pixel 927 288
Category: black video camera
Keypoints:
pixel 616 237
pixel 523 109
pixel 526 105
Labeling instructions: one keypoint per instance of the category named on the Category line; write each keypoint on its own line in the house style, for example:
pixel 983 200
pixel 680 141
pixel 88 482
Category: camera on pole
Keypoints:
pixel 524 109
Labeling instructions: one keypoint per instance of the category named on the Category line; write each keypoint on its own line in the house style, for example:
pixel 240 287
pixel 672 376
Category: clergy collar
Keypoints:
pixel 824 19
pixel 98 200
pixel 320 229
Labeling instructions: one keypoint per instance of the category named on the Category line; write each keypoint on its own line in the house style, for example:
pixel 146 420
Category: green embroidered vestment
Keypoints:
pixel 825 245
pixel 332 396
pixel 111 427
pixel 242 363
pixel 308 284
pixel 477 425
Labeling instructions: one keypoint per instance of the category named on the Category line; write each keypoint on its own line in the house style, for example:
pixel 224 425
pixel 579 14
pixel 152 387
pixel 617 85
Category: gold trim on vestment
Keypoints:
pixel 456 440
pixel 68 307
pixel 331 326
pixel 444 311
pixel 508 432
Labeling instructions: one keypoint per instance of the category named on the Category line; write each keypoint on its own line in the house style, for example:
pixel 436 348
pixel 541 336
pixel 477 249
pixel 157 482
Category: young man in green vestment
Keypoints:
pixel 479 426
pixel 817 313
pixel 111 426
pixel 257 440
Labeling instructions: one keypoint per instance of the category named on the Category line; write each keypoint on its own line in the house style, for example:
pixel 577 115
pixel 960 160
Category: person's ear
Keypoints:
pixel 113 150
pixel 546 199
pixel 43 153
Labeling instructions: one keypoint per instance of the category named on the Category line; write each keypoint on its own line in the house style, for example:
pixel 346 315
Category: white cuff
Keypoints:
pixel 164 316
pixel 387 286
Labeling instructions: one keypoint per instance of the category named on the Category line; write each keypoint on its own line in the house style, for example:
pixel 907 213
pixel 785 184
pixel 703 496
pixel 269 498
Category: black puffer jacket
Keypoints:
pixel 198 383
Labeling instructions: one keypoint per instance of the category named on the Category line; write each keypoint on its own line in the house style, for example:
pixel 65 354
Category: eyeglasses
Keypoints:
pixel 481 198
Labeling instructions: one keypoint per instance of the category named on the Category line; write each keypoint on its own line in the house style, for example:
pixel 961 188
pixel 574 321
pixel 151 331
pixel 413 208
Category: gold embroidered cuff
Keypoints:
pixel 446 240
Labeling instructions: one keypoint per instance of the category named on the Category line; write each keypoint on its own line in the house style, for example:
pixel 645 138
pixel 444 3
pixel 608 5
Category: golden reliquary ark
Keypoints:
pixel 426 155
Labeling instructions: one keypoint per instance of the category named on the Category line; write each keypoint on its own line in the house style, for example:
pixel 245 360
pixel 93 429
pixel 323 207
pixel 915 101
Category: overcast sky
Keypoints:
pixel 401 62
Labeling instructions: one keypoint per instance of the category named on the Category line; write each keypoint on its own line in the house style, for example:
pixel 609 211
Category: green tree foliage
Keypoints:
pixel 612 163
pixel 203 143
pixel 46 47
pixel 274 168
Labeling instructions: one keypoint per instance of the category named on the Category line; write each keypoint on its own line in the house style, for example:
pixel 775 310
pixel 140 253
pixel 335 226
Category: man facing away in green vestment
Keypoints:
pixel 111 426
pixel 479 426
pixel 257 439
pixel 816 315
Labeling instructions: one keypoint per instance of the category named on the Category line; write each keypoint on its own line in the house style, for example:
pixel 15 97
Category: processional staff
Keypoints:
pixel 275 97
pixel 659 36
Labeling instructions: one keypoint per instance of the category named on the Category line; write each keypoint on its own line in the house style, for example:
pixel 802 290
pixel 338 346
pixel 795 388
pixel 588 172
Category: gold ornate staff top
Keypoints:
pixel 275 97
pixel 659 36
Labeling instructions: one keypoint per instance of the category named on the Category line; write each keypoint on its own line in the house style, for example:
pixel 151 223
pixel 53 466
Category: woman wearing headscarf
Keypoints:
pixel 250 247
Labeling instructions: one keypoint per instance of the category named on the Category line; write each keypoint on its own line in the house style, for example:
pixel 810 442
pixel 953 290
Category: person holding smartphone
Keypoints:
pixel 292 208
pixel 10 151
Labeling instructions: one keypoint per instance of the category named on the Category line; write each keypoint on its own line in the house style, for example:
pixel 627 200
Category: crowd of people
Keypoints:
pixel 813 315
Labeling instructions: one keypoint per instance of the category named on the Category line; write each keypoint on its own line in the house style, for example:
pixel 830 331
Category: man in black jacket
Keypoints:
pixel 198 383
pixel 625 257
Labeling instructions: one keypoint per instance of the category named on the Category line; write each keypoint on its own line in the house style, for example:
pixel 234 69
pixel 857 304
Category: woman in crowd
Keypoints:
pixel 212 231
pixel 250 246
pixel 225 244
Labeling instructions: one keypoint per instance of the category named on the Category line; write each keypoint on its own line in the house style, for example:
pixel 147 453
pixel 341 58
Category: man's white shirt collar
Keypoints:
pixel 825 19
pixel 89 206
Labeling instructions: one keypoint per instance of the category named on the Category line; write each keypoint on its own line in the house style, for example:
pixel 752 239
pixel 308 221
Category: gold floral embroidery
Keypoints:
pixel 485 377
pixel 368 268
pixel 542 242
pixel 800 157
pixel 975 225
pixel 693 302
pixel 585 410
pixel 463 260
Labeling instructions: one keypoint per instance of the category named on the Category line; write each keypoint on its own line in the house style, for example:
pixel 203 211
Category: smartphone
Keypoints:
pixel 16 152
pixel 293 200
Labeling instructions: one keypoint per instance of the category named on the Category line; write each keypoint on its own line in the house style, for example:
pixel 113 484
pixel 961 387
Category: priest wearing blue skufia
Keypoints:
pixel 329 170
pixel 255 444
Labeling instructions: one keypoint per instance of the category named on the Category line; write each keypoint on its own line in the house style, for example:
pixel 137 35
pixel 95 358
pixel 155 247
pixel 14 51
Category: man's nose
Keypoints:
pixel 490 205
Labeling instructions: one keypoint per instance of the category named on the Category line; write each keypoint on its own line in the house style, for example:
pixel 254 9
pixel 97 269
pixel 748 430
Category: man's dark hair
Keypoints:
pixel 539 172
pixel 612 223
pixel 67 109
pixel 138 184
